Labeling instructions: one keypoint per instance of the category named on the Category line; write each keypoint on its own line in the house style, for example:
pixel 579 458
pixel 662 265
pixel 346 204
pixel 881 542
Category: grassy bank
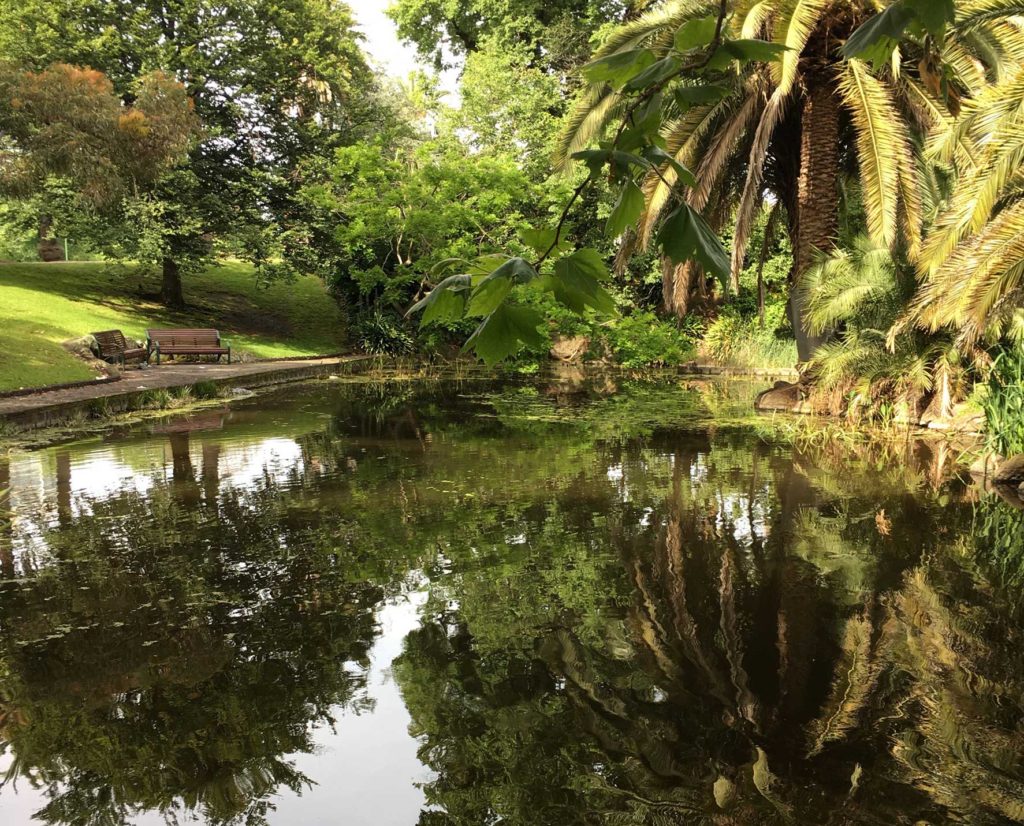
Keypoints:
pixel 42 305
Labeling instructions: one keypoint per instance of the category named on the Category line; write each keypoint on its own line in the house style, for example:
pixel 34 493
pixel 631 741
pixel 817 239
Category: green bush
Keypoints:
pixel 383 334
pixel 203 390
pixel 644 340
pixel 734 341
pixel 1004 402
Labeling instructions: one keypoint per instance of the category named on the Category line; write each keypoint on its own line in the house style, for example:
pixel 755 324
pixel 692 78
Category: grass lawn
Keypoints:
pixel 42 305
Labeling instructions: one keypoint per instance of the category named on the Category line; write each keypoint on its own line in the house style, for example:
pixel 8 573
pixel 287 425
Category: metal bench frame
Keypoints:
pixel 113 347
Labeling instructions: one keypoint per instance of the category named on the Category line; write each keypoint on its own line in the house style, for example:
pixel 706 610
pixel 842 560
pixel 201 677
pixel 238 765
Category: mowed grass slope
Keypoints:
pixel 42 305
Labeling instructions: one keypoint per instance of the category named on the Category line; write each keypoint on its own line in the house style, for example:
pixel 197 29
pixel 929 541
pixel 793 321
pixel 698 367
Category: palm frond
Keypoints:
pixel 753 20
pixel 974 12
pixel 596 108
pixel 666 17
pixel 684 137
pixel 967 69
pixel 793 23
pixel 977 278
pixel 883 148
pixel 750 197
pixel 841 286
pixel 723 144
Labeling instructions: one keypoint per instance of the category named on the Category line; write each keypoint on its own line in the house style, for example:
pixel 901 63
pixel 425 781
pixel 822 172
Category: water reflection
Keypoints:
pixel 587 603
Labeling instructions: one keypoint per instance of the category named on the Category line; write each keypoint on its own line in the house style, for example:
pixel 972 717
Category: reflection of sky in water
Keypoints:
pixel 366 770
pixel 95 474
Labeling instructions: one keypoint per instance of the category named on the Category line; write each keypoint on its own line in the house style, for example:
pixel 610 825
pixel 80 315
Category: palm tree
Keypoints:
pixel 792 130
pixel 973 261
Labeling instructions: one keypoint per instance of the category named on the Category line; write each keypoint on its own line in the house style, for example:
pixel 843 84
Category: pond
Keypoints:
pixel 537 602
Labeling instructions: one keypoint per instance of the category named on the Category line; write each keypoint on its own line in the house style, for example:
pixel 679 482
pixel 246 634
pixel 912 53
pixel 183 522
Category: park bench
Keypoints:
pixel 114 347
pixel 187 343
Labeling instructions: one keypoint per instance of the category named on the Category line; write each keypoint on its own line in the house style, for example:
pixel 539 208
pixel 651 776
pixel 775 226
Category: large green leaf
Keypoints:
pixel 618 68
pixel 875 40
pixel 541 239
pixel 659 157
pixel 504 331
pixel 627 210
pixel 488 295
pixel 686 236
pixel 647 117
pixel 654 74
pixel 687 96
pixel 492 291
pixel 576 282
pixel 595 159
pixel 745 51
pixel 695 34
pixel 446 302
pixel 934 14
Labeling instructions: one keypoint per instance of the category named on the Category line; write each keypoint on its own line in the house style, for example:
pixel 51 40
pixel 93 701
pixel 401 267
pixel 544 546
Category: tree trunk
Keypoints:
pixel 817 193
pixel 171 293
pixel 49 248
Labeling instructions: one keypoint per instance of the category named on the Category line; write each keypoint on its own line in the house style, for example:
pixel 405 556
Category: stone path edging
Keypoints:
pixel 49 408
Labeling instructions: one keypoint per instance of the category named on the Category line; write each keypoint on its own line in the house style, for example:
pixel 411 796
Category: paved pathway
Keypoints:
pixel 174 375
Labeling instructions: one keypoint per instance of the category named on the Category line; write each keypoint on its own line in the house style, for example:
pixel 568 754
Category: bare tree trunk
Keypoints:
pixel 817 193
pixel 171 292
pixel 49 248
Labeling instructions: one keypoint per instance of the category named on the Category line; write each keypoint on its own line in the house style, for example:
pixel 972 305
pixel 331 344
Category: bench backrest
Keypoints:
pixel 110 342
pixel 187 338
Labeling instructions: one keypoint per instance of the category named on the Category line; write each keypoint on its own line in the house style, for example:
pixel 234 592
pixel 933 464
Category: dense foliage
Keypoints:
pixel 837 174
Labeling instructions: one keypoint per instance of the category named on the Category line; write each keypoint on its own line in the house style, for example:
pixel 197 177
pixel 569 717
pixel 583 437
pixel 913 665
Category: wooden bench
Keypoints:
pixel 187 343
pixel 114 347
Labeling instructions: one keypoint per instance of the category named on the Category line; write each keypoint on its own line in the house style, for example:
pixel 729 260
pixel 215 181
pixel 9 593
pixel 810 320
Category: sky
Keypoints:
pixel 384 47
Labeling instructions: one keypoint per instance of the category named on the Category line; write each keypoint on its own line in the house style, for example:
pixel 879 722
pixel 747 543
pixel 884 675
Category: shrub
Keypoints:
pixel 742 342
pixel 203 390
pixel 644 340
pixel 1004 402
pixel 383 334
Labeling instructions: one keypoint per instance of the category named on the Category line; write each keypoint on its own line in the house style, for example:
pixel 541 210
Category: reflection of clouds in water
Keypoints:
pixel 735 515
pixel 242 464
pixel 45 482
pixel 366 764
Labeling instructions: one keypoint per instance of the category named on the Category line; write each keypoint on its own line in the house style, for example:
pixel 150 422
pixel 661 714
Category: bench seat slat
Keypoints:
pixel 187 342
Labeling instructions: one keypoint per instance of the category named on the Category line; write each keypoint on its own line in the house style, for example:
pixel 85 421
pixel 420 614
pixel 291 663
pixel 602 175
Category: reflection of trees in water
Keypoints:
pixel 174 656
pixel 784 656
pixel 628 624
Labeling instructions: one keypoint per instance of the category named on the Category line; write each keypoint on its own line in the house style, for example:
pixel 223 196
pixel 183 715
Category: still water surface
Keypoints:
pixel 466 603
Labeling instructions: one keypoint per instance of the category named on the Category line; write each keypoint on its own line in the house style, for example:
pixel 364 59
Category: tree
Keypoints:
pixel 557 32
pixel 973 258
pixel 389 213
pixel 788 129
pixel 273 81
pixel 66 123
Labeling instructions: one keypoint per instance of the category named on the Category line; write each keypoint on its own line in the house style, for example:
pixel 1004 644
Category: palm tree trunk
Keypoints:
pixel 817 192
pixel 171 292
